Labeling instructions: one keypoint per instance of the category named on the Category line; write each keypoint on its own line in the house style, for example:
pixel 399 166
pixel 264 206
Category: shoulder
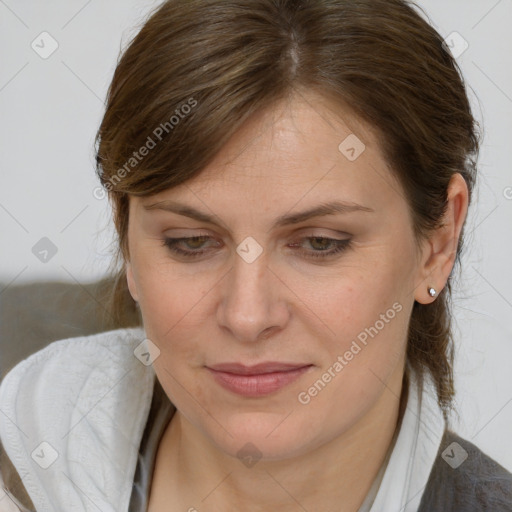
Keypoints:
pixel 74 357
pixel 13 495
pixel 69 367
pixel 114 341
pixel 66 400
pixel 68 361
pixel 465 479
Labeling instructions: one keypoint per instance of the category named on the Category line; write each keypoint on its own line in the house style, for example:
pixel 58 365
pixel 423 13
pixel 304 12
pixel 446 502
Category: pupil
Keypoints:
pixel 196 242
pixel 323 242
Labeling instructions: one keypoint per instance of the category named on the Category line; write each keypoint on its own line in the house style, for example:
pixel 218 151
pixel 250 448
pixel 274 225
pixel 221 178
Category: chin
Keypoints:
pixel 259 436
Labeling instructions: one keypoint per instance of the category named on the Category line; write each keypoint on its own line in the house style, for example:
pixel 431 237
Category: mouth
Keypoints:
pixel 259 380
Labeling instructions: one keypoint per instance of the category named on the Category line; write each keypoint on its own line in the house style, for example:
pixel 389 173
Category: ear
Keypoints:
pixel 439 251
pixel 131 281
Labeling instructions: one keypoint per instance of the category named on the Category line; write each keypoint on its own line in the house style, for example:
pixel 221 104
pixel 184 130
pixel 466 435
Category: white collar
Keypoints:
pixel 93 375
pixel 414 453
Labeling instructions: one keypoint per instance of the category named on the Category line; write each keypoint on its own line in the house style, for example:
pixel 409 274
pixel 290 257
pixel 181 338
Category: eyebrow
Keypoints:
pixel 330 208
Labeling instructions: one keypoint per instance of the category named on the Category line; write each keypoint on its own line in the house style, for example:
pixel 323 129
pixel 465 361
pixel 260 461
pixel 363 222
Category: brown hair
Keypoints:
pixel 198 69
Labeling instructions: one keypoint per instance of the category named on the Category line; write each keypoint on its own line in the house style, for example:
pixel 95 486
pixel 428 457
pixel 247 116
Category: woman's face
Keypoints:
pixel 330 295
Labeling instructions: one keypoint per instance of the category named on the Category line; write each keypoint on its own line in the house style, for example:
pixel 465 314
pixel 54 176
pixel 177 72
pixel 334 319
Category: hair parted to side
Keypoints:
pixel 198 69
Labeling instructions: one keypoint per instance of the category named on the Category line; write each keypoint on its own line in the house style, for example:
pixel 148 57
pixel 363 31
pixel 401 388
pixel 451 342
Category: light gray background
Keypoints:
pixel 51 108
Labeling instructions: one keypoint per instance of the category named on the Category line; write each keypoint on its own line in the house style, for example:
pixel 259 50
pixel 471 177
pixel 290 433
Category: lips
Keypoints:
pixel 258 369
pixel 258 380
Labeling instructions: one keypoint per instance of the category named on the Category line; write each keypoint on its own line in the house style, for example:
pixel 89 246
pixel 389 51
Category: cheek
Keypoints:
pixel 165 295
pixel 366 346
pixel 173 313
pixel 353 299
pixel 174 309
pixel 170 305
pixel 364 316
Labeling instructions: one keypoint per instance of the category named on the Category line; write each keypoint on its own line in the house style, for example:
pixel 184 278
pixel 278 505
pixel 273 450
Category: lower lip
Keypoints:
pixel 257 385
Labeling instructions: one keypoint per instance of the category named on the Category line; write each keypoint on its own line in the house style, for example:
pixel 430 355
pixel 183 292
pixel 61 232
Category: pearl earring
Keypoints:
pixel 432 291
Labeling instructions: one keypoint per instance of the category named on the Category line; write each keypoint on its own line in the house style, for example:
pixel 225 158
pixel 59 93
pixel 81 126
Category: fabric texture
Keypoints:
pixel 162 411
pixel 76 411
pixel 478 484
pixel 82 420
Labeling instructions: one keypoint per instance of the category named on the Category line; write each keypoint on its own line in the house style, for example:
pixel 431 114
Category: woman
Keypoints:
pixel 289 182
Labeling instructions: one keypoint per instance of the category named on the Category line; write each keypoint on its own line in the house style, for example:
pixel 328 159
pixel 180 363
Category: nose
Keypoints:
pixel 253 304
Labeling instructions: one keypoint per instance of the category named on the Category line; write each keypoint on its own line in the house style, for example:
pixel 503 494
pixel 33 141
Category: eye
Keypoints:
pixel 323 247
pixel 194 243
pixel 322 244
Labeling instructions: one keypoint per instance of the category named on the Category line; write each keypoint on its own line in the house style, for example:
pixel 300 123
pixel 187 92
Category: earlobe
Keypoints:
pixel 441 249
pixel 131 282
pixel 431 278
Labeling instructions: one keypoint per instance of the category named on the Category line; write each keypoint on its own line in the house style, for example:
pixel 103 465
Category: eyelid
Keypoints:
pixel 298 235
pixel 190 255
pixel 299 232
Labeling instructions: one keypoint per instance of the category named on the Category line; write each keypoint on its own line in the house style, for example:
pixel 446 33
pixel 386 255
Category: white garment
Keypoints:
pixel 404 478
pixel 88 398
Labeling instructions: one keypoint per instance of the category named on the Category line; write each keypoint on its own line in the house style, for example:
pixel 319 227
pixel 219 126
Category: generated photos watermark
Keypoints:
pixel 305 397
pixel 152 141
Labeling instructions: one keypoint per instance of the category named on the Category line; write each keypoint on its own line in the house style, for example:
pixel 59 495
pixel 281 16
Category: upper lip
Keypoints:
pixel 258 369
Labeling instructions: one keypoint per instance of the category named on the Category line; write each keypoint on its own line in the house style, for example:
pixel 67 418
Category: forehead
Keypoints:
pixel 304 150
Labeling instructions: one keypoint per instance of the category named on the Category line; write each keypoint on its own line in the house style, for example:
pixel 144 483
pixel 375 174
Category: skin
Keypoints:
pixel 284 306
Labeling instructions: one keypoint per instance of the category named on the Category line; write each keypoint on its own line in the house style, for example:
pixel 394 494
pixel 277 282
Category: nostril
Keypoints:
pixel 266 333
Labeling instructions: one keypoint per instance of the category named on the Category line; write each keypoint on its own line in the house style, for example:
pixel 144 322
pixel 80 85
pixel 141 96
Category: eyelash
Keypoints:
pixel 341 246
